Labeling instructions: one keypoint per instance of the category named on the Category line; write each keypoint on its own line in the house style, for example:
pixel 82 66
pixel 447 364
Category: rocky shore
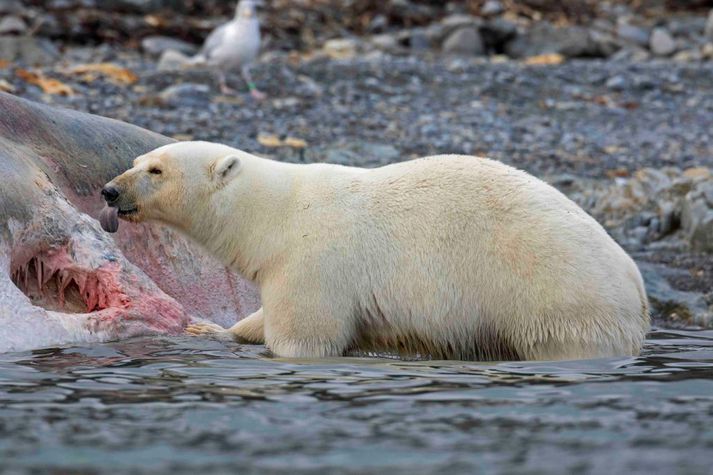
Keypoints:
pixel 614 108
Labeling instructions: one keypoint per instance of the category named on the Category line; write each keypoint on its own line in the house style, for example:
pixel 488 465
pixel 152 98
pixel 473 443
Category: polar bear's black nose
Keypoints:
pixel 110 194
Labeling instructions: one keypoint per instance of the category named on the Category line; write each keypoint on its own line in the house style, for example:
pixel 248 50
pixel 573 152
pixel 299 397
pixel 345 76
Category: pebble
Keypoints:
pixel 661 42
pixel 172 60
pixel 492 8
pixel 186 94
pixel 157 45
pixel 12 24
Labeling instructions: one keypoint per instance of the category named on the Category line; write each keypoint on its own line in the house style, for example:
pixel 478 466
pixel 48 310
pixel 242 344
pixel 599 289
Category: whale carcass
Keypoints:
pixel 62 278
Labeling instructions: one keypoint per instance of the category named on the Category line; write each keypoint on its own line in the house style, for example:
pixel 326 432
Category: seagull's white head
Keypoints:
pixel 246 9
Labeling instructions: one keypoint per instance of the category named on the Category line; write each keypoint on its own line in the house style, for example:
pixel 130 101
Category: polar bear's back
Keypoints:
pixel 468 257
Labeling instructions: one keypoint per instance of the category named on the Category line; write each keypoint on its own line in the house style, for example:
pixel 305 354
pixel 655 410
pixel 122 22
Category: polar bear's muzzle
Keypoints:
pixel 116 199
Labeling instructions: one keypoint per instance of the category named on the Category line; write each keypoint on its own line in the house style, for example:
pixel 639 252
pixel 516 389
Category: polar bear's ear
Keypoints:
pixel 226 168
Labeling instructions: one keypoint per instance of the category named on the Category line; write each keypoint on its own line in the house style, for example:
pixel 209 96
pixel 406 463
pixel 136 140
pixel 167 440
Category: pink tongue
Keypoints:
pixel 109 219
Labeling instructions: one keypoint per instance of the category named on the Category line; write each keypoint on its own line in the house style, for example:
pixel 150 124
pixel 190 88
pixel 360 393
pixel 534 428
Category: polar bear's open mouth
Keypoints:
pixel 128 212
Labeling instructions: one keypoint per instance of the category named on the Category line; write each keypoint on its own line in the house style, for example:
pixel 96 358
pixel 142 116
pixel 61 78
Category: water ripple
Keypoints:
pixel 184 405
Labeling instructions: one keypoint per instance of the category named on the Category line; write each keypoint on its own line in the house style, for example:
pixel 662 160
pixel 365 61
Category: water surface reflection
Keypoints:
pixel 184 405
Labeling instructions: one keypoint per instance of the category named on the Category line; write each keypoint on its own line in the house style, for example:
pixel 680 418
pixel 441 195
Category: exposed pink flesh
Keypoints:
pixel 98 288
pixel 114 307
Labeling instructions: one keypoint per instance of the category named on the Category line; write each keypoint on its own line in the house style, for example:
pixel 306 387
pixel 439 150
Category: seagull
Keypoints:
pixel 235 44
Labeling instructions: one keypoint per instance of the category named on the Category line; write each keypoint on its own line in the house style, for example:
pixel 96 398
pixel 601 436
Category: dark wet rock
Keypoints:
pixel 670 304
pixel 12 24
pixel 186 95
pixel 28 50
pixel 157 45
pixel 465 41
pixel 497 33
pixel 661 42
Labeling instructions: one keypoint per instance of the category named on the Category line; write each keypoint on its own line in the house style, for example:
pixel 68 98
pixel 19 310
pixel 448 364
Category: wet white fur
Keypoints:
pixel 452 256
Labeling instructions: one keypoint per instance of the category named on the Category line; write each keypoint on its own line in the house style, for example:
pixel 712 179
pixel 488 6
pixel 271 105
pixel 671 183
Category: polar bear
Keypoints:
pixel 449 257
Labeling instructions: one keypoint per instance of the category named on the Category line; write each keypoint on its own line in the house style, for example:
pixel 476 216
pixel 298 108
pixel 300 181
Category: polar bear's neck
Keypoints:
pixel 248 222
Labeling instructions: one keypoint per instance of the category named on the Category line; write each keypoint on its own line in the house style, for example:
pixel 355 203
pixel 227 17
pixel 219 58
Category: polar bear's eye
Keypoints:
pixel 155 171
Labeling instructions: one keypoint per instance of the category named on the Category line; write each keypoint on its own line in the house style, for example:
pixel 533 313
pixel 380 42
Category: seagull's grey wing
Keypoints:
pixel 213 41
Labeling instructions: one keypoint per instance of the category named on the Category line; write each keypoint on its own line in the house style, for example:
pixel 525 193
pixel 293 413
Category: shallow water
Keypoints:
pixel 195 405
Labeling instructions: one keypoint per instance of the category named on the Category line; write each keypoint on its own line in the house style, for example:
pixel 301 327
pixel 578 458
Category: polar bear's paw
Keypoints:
pixel 198 329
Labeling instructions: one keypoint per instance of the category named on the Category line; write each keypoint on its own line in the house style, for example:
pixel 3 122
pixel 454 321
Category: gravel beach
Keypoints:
pixel 618 134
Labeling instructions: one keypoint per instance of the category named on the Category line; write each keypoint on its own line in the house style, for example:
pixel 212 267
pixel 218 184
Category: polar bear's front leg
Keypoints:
pixel 248 330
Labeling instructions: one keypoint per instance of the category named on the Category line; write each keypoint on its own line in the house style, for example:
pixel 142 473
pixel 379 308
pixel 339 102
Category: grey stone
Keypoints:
pixel 492 8
pixel 12 24
pixel 172 60
pixel 544 38
pixel 633 34
pixel 459 19
pixel 28 50
pixel 385 41
pixel 617 83
pixel 367 154
pixel 669 303
pixel 157 45
pixel 465 41
pixel 661 42
pixel 709 26
pixel 697 216
pixel 187 94
pixel 419 40
pixel 11 6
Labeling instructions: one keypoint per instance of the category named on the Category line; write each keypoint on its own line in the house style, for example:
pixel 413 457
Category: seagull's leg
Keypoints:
pixel 224 89
pixel 254 91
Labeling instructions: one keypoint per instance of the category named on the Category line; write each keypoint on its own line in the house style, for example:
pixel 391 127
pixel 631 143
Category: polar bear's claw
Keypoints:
pixel 198 329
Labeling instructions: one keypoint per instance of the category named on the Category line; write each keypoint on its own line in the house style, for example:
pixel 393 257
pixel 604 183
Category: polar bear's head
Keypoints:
pixel 171 183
